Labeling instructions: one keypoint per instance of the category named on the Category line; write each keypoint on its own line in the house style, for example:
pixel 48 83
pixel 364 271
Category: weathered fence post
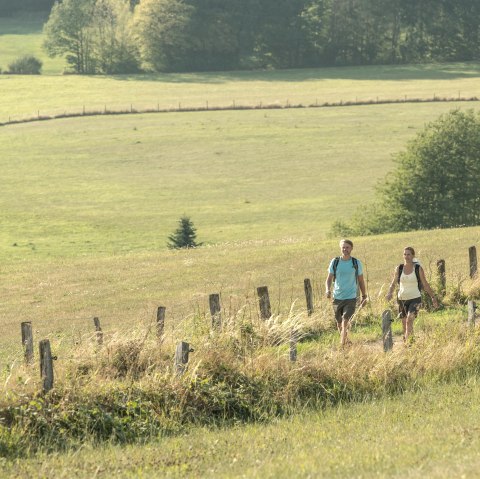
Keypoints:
pixel 214 301
pixel 442 277
pixel 308 295
pixel 264 301
pixel 27 341
pixel 472 307
pixel 387 330
pixel 293 345
pixel 181 357
pixel 99 331
pixel 46 365
pixel 472 253
pixel 160 321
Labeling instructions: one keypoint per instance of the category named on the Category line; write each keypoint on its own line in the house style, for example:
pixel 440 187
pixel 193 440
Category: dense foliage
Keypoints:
pixel 94 35
pixel 195 35
pixel 26 65
pixel 435 183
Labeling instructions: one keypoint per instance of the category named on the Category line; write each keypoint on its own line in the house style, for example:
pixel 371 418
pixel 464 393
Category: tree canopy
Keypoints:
pixel 94 35
pixel 199 35
pixel 435 183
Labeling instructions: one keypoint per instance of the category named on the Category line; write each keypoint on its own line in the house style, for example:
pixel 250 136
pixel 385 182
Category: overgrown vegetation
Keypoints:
pixel 128 391
pixel 434 184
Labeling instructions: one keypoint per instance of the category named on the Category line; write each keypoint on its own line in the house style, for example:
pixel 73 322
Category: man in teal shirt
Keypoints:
pixel 346 274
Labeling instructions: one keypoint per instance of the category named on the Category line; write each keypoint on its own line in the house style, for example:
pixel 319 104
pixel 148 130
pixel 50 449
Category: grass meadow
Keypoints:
pixel 86 206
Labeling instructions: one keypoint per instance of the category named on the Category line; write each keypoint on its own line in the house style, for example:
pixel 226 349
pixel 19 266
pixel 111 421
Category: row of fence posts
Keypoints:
pixel 471 306
pixel 183 349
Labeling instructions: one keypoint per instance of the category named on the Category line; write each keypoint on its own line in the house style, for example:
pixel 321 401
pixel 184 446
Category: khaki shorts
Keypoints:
pixel 409 306
pixel 344 308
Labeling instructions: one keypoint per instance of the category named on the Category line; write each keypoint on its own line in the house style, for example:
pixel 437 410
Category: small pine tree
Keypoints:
pixel 184 236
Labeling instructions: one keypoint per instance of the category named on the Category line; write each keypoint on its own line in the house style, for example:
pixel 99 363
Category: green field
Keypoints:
pixel 54 93
pixel 86 206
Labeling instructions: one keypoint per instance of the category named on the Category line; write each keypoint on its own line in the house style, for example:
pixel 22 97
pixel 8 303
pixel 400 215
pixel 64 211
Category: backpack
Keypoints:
pixel 417 274
pixel 355 266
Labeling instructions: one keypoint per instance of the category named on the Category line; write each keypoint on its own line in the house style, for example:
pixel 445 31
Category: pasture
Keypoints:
pixel 53 93
pixel 87 205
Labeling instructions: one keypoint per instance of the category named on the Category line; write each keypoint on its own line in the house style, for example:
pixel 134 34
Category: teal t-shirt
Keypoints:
pixel 345 286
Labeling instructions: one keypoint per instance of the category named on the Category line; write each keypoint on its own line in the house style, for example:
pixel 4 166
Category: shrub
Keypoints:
pixel 184 236
pixel 434 184
pixel 26 65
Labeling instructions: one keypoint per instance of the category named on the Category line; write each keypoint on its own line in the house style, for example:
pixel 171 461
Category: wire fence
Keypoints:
pixel 85 111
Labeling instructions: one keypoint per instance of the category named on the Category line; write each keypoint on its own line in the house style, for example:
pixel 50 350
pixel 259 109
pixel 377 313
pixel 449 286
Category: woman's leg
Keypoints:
pixel 409 326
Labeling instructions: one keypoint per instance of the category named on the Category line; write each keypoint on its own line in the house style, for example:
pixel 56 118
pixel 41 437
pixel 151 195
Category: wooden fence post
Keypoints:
pixel 214 301
pixel 387 330
pixel 46 365
pixel 442 277
pixel 27 341
pixel 160 321
pixel 99 331
pixel 264 301
pixel 293 346
pixel 472 253
pixel 181 357
pixel 471 313
pixel 308 295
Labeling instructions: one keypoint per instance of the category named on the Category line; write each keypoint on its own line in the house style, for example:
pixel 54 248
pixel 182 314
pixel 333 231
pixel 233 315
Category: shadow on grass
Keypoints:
pixel 434 71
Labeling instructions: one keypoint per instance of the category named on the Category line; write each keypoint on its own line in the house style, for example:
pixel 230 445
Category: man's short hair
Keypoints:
pixel 346 241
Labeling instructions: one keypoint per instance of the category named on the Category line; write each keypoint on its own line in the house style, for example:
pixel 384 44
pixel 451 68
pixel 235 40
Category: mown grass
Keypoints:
pixel 50 94
pixel 26 97
pixel 118 185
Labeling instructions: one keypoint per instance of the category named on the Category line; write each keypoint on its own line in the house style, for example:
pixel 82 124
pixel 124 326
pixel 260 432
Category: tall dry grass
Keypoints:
pixel 127 390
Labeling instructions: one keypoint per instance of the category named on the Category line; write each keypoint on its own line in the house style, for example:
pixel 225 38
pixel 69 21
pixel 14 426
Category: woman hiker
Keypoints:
pixel 410 278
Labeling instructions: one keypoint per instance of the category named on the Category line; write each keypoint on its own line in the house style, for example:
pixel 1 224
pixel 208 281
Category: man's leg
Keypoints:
pixel 338 310
pixel 344 331
pixel 348 312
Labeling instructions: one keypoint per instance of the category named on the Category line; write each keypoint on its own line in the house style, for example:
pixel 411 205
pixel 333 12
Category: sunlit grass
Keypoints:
pixel 428 433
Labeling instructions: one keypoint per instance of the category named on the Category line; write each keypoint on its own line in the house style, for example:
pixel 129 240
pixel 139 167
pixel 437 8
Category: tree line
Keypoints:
pixel 121 36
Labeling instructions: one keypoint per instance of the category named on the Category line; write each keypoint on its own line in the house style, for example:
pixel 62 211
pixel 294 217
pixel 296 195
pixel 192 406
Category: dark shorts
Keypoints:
pixel 409 306
pixel 344 308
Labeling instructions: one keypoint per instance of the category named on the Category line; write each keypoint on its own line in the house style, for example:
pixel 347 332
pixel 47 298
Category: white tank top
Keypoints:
pixel 408 286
